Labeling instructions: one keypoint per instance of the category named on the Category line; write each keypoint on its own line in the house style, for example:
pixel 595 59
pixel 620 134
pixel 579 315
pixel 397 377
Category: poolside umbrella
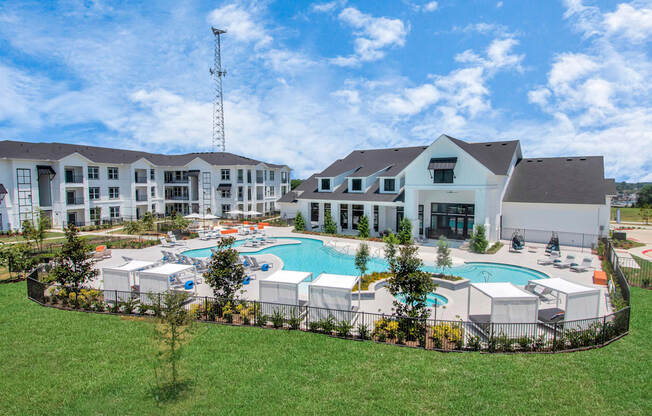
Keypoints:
pixel 210 217
pixel 193 216
pixel 235 212
pixel 253 213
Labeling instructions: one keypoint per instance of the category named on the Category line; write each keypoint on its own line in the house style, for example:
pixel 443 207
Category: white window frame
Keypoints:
pixel 96 173
pixel 113 173
pixel 112 190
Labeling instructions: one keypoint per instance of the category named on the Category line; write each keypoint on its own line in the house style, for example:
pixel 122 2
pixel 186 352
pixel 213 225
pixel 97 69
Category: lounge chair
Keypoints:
pixel 548 259
pixel 570 259
pixel 543 294
pixel 204 235
pixel 174 241
pixel 168 256
pixel 586 265
pixel 164 242
pixel 254 263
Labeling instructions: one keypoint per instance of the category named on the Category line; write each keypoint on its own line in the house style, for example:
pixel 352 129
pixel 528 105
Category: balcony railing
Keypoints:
pixel 78 200
pixel 141 179
pixel 74 178
pixel 141 197
pixel 174 180
pixel 178 197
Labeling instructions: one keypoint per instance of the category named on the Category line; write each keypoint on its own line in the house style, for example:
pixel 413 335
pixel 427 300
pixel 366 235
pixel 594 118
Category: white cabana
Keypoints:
pixel 282 287
pixel 333 293
pixel 507 304
pixel 572 300
pixel 122 279
pixel 169 276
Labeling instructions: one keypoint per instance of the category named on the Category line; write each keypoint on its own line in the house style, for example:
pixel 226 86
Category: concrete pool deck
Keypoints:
pixel 456 308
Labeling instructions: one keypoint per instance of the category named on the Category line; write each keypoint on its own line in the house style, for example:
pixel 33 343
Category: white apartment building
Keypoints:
pixel 87 185
pixel 451 185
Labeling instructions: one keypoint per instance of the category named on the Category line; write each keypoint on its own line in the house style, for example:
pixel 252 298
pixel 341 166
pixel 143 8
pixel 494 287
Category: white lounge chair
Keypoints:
pixel 165 242
pixel 204 235
pixel 549 259
pixel 587 263
pixel 174 241
pixel 570 259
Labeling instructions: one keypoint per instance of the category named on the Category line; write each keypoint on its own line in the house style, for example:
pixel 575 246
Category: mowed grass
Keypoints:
pixel 74 363
pixel 627 214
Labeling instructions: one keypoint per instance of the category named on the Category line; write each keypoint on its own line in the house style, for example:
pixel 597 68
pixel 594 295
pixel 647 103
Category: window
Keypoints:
pixel 357 211
pixel 248 176
pixel 152 174
pixel 241 207
pixel 240 193
pixel 96 214
pixel 376 216
pixel 153 208
pixel 240 175
pixel 326 184
pixel 356 185
pixel 284 176
pixel 271 175
pixel 226 193
pixel 114 192
pixel 114 212
pixel 94 193
pixel 284 190
pixel 399 216
pixel 225 174
pixel 112 173
pixel 249 193
pixel 344 216
pixel 420 215
pixel 314 211
pixel 327 209
pixel 271 191
pixel 259 176
pixel 390 185
pixel 93 172
pixel 226 208
pixel 443 176
pixel 152 191
pixel 265 175
pixel 24 182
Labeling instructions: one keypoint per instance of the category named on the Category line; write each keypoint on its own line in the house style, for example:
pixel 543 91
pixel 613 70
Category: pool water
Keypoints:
pixel 312 256
pixel 432 299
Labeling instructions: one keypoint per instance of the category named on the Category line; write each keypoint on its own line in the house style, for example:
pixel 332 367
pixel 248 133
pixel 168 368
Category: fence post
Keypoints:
pixel 604 329
pixel 115 300
pixel 554 338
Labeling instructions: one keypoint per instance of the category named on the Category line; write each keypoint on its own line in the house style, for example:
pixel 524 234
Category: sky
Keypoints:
pixel 307 83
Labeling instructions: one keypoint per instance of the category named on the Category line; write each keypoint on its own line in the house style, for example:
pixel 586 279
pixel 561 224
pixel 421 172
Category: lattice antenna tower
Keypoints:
pixel 219 138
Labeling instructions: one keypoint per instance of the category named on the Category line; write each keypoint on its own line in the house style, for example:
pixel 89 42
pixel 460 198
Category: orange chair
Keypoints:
pixel 231 231
pixel 599 277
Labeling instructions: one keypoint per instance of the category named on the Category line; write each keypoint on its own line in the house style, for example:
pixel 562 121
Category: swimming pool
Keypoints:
pixel 312 256
pixel 432 299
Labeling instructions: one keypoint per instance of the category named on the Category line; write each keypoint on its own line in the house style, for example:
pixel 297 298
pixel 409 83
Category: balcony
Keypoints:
pixel 141 197
pixel 74 177
pixel 77 200
pixel 177 197
pixel 173 180
pixel 141 179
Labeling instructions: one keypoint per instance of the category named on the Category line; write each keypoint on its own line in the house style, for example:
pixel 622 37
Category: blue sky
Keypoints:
pixel 309 82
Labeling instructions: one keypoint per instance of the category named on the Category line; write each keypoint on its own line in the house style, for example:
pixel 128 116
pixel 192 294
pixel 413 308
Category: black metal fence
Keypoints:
pixel 444 335
pixel 636 270
pixel 543 236
pixel 620 287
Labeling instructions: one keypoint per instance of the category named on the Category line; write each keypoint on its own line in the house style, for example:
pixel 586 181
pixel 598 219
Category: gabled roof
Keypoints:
pixel 495 156
pixel 310 190
pixel 610 186
pixel 55 151
pixel 562 180
pixel 367 162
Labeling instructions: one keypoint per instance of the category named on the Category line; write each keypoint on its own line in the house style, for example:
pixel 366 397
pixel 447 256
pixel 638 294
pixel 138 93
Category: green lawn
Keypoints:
pixel 75 363
pixel 9 239
pixel 627 214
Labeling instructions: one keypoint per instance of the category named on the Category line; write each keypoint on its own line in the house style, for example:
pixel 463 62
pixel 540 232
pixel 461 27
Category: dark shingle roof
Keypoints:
pixel 309 190
pixel 368 162
pixel 54 151
pixel 496 156
pixel 561 180
pixel 610 186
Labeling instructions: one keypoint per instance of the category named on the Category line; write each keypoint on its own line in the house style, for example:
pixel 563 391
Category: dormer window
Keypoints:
pixel 325 184
pixel 443 175
pixel 356 185
pixel 442 169
pixel 389 185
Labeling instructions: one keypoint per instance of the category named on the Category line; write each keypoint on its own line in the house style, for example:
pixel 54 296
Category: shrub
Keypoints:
pixel 294 321
pixel 405 231
pixel 448 331
pixel 344 329
pixel 479 241
pixel 363 331
pixel 277 319
pixel 474 343
pixel 299 222
pixel 329 225
pixel 315 326
pixel 328 325
pixel 227 312
pixel 363 227
pixel 385 328
pixel 261 319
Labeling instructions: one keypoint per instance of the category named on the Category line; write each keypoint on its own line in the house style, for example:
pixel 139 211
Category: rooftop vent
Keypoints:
pixel 539 160
pixel 488 145
pixel 582 158
pixel 569 159
pixel 361 151
pixel 529 160
pixel 396 150
pixel 503 144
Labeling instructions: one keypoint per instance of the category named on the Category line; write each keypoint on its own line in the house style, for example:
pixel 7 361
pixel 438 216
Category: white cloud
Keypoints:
pixel 633 24
pixel 241 24
pixel 499 4
pixel 325 7
pixel 372 36
pixel 430 6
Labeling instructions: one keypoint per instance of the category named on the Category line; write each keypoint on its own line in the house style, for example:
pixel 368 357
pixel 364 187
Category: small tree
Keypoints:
pixel 147 222
pixel 391 241
pixel 646 212
pixel 479 241
pixel 225 273
pixel 173 331
pixel 363 227
pixel 16 258
pixel 410 282
pixel 28 230
pixel 73 265
pixel 645 195
pixel 361 261
pixel 444 260
pixel 132 227
pixel 44 223
pixel 299 222
pixel 180 223
pixel 329 225
pixel 405 231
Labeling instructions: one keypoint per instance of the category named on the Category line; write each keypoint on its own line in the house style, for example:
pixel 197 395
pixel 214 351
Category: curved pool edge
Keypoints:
pixel 546 275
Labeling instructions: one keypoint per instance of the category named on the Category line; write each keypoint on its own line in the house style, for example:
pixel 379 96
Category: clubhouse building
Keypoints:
pixel 450 186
